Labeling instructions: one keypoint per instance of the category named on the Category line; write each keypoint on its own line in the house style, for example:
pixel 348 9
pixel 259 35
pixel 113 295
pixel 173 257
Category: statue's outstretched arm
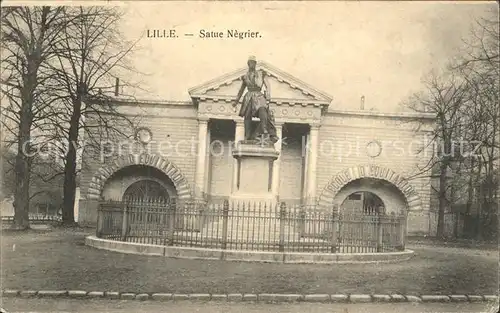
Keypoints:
pixel 241 91
pixel 267 93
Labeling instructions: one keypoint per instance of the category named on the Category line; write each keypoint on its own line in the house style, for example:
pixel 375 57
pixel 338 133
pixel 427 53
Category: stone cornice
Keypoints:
pixel 403 115
pixel 367 119
pixel 242 149
pixel 149 102
pixel 295 114
pixel 277 101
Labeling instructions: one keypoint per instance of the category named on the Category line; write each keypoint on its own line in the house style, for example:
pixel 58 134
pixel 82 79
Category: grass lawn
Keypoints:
pixel 456 243
pixel 58 259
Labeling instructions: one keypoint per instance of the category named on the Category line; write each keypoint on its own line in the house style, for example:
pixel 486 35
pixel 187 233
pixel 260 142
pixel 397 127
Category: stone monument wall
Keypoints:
pixel 174 128
pixel 348 140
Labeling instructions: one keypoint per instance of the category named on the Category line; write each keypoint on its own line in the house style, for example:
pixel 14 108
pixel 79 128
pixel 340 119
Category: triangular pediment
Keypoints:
pixel 284 87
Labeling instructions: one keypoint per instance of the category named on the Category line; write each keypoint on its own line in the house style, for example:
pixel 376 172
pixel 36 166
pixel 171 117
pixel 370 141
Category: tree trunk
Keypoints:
pixel 23 157
pixel 456 214
pixel 490 185
pixel 442 199
pixel 68 214
pixel 23 169
pixel 479 232
pixel 69 188
pixel 479 200
pixel 470 188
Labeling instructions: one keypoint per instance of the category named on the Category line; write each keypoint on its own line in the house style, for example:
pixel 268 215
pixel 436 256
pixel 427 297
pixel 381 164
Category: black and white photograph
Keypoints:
pixel 249 156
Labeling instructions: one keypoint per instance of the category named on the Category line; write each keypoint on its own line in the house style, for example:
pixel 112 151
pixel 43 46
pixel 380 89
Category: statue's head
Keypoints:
pixel 252 62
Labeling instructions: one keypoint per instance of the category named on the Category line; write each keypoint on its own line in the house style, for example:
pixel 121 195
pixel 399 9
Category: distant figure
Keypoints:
pixel 255 103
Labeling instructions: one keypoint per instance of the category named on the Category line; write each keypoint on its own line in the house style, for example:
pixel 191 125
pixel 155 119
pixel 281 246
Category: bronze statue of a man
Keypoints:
pixel 256 104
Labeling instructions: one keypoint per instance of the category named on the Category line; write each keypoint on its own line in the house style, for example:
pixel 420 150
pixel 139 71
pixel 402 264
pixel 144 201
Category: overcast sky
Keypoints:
pixel 346 49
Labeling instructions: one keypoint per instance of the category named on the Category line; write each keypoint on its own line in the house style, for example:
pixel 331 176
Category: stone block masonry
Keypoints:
pixel 336 141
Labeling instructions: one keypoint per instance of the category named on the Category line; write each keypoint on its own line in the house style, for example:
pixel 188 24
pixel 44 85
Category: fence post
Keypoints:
pixel 124 222
pixel 201 216
pixel 334 237
pixel 379 232
pixel 302 221
pixel 179 207
pixel 393 231
pixel 171 223
pixel 225 214
pixel 282 227
pixel 402 225
pixel 100 221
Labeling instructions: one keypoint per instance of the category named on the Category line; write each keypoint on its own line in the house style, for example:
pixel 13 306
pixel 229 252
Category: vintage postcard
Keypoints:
pixel 235 156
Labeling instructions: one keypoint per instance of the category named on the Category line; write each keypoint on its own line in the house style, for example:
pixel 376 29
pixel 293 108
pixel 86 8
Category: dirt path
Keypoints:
pixel 115 306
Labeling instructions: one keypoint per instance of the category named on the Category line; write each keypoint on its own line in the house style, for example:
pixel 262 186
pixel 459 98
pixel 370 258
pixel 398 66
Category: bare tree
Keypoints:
pixel 28 38
pixel 480 67
pixel 464 99
pixel 90 55
pixel 444 96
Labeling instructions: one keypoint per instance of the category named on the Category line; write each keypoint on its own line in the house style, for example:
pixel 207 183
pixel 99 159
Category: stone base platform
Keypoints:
pixel 246 256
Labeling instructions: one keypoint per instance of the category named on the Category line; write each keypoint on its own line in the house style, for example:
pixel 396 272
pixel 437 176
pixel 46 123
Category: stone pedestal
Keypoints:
pixel 255 162
pixel 254 171
pixel 253 212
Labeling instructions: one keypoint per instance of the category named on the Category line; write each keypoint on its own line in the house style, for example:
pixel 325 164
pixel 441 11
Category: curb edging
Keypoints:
pixel 198 253
pixel 247 297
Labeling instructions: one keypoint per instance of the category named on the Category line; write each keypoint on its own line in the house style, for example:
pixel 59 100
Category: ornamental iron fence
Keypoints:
pixel 251 226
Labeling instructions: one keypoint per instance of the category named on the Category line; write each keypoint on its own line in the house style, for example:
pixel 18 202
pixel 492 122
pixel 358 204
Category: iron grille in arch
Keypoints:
pixel 146 189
